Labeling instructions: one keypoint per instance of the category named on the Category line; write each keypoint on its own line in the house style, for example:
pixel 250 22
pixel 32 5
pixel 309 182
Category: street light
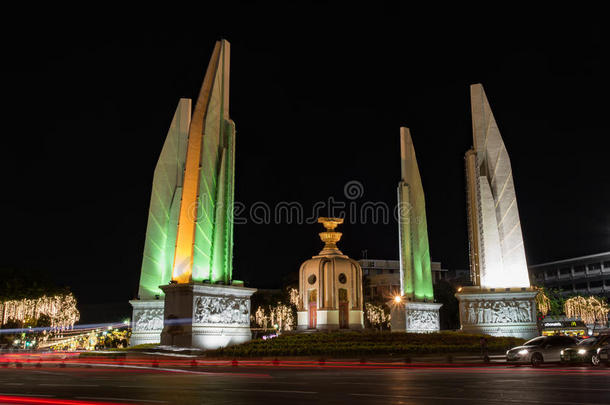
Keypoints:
pixel 397 299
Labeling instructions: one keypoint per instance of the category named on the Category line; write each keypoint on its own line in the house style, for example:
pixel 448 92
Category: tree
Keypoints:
pixel 377 315
pixel 543 303
pixel 551 300
pixel 283 313
pixel 590 310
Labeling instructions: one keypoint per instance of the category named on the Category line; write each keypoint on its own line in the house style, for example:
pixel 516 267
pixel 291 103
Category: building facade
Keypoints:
pixel 382 277
pixel 584 275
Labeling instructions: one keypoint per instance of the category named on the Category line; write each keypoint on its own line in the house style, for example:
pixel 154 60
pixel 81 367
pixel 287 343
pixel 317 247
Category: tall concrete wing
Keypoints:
pixel 415 270
pixel 165 206
pixel 204 242
pixel 501 301
pixel 497 253
pixel 418 312
pixel 189 240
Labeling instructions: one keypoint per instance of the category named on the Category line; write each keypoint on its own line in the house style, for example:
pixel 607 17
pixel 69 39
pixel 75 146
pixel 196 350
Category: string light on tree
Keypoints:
pixel 543 303
pixel 60 310
pixel 590 310
pixel 376 315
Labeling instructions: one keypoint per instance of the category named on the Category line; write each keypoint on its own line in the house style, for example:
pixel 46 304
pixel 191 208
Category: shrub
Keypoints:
pixel 344 344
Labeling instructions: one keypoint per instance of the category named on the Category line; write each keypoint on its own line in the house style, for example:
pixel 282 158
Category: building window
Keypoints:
pixel 596 284
pixel 607 265
pixel 595 266
pixel 581 286
pixel 566 287
pixel 391 271
pixel 379 271
pixel 565 270
pixel 550 273
pixel 579 269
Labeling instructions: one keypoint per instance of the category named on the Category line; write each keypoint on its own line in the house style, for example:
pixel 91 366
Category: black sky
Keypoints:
pixel 318 94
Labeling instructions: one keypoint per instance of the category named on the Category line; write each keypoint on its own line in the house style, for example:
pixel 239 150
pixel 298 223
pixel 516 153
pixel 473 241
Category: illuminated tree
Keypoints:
pixel 376 315
pixel 294 296
pixel 280 315
pixel 543 303
pixel 58 310
pixel 590 310
pixel 260 318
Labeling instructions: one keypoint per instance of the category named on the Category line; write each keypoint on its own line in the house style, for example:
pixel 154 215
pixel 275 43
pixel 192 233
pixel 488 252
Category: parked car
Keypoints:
pixel 587 351
pixel 542 349
pixel 604 354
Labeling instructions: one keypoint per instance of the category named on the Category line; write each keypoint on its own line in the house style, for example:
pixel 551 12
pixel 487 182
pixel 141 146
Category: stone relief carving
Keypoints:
pixel 149 319
pixel 422 320
pixel 227 310
pixel 507 311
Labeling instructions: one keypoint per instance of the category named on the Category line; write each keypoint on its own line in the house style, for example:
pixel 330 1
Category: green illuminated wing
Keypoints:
pixel 417 260
pixel 165 206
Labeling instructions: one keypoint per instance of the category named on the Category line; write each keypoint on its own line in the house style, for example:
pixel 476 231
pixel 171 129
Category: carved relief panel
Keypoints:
pixel 422 320
pixel 224 310
pixel 148 319
pixel 496 311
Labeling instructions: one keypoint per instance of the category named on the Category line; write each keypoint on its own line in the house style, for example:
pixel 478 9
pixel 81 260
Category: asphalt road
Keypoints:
pixel 285 383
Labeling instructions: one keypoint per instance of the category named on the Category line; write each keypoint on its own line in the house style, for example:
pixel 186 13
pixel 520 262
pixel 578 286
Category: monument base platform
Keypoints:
pixel 498 312
pixel 329 319
pixel 206 316
pixel 147 321
pixel 415 317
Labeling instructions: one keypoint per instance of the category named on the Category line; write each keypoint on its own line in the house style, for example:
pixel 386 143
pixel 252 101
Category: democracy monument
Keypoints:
pixel 187 296
pixel 501 301
pixel 415 310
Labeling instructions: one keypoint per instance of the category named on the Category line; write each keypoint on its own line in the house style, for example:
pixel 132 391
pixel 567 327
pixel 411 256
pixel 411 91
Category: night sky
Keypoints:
pixel 318 95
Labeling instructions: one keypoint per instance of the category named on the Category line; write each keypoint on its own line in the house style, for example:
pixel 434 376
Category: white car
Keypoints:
pixel 542 349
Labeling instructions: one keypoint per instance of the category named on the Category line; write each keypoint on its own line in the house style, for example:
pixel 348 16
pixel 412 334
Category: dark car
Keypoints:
pixel 604 354
pixel 542 349
pixel 587 351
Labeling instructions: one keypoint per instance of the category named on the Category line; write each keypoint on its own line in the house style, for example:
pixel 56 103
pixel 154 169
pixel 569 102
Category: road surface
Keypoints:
pixel 307 383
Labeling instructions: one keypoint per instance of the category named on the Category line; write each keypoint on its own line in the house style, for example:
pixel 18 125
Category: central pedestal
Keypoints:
pixel 498 312
pixel 206 316
pixel 415 317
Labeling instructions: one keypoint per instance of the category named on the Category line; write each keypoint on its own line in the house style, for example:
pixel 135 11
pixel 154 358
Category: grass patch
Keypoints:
pixel 366 343
pixel 143 346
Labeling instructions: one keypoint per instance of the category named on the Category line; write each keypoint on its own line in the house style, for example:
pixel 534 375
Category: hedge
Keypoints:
pixel 367 343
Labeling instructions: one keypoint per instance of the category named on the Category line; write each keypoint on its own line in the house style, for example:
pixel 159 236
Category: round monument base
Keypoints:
pixel 329 319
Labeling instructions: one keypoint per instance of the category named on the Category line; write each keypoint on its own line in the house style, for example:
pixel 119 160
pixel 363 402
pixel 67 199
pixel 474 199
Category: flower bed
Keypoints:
pixel 367 343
